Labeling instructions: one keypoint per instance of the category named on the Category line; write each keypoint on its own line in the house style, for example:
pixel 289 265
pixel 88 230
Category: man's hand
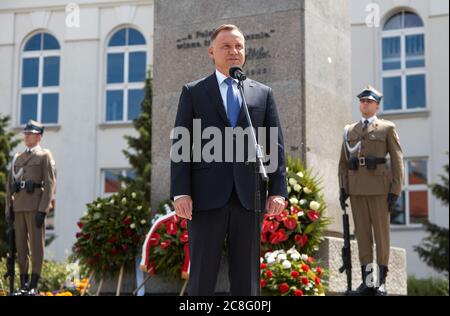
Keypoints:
pixel 392 201
pixel 40 219
pixel 343 196
pixel 275 205
pixel 183 207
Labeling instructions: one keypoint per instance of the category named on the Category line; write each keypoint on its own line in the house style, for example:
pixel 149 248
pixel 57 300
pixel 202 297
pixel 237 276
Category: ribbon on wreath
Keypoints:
pixel 150 240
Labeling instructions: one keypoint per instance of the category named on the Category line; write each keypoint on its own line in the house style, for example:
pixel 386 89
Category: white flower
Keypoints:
pixel 293 201
pixel 300 174
pixel 112 201
pixel 314 205
pixel 261 260
pixel 281 257
pixel 133 226
pixel 292 181
pixel 124 201
pixel 133 195
pixel 289 189
pixel 99 205
pixel 304 257
pixel 297 187
pixel 301 213
pixel 307 190
pixel 286 264
pixel 295 256
pixel 139 207
pixel 303 201
pixel 143 221
pixel 270 259
pixel 287 168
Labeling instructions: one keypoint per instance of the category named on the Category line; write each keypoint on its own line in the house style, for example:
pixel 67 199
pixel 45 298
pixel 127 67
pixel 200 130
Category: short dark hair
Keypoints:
pixel 225 27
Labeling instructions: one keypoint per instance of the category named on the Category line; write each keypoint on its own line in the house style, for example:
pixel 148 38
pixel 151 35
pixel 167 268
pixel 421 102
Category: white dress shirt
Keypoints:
pixel 370 119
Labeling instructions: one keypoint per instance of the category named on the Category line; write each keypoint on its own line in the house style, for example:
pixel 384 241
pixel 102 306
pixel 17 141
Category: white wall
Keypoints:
pixel 422 135
pixel 81 143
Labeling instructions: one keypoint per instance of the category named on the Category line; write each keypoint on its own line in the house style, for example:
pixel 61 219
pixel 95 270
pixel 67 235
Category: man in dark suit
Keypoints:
pixel 218 197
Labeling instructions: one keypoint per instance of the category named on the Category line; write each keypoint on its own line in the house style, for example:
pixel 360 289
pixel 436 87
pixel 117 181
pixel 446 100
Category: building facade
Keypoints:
pixel 401 47
pixel 80 70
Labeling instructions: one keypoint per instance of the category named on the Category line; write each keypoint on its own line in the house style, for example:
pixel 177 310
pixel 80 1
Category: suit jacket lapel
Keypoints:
pixel 212 88
pixel 358 129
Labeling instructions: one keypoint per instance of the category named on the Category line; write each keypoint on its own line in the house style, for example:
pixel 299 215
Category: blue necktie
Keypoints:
pixel 233 107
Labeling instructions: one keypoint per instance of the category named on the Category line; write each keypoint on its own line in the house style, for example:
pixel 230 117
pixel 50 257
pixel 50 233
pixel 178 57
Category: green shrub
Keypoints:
pixel 427 287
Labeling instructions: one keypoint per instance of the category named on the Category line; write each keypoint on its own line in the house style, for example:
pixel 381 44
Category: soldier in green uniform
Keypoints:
pixel 373 184
pixel 30 188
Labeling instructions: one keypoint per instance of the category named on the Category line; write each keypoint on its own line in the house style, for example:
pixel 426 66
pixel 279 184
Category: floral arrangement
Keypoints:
pixel 302 223
pixel 76 288
pixel 111 233
pixel 167 246
pixel 290 274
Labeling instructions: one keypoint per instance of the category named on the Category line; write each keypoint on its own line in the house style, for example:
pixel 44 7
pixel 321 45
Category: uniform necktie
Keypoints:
pixel 233 107
pixel 366 124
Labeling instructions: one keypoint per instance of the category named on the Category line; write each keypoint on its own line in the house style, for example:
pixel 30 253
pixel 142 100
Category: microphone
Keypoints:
pixel 236 72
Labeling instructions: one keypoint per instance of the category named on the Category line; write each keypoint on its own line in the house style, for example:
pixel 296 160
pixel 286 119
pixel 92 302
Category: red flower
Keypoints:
pixel 319 271
pixel 273 226
pixel 278 237
pixel 283 288
pixel 183 224
pixel 127 221
pixel 304 280
pixel 305 268
pixel 113 251
pixel 294 210
pixel 269 274
pixel 302 240
pixel 265 226
pixel 290 223
pixel 175 219
pixel 263 238
pixel 86 236
pixel 128 232
pixel 282 216
pixel 78 235
pixel 90 261
pixel 263 266
pixel 310 260
pixel 298 292
pixel 165 244
pixel 80 224
pixel 171 228
pixel 317 280
pixel 313 216
pixel 124 247
pixel 184 237
pixel 113 239
pixel 295 274
pixel 263 283
pixel 154 239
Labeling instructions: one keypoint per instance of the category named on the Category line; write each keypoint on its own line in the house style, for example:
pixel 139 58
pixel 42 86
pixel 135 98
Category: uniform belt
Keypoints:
pixel 378 161
pixel 36 185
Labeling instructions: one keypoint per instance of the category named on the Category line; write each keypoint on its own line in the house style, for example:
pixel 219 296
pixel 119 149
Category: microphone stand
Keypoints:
pixel 260 172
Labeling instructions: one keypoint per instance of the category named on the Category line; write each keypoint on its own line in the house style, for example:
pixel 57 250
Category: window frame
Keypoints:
pixel 403 72
pixel 40 90
pixel 407 188
pixel 123 173
pixel 125 86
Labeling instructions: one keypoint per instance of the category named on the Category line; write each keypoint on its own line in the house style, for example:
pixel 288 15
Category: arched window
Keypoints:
pixel 39 83
pixel 126 67
pixel 403 63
